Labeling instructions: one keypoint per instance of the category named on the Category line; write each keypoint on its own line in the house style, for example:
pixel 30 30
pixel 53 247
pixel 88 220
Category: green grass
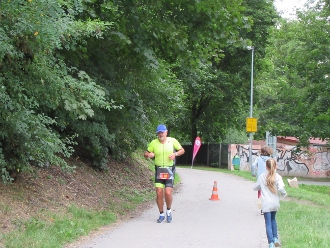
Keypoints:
pixel 303 225
pixel 303 219
pixel 54 231
pixel 49 230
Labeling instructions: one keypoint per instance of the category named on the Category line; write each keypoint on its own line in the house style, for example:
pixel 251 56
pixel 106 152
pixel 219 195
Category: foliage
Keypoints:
pixel 93 78
pixel 296 62
pixel 215 89
pixel 39 93
pixel 234 136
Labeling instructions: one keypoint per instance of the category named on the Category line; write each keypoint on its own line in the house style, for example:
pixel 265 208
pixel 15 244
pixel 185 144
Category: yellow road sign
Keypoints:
pixel 251 125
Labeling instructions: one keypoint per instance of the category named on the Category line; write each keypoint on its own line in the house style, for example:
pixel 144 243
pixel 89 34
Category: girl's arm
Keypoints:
pixel 280 186
pixel 256 186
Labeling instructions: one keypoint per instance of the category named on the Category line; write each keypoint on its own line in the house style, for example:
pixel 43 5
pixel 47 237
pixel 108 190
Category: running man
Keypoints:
pixel 164 150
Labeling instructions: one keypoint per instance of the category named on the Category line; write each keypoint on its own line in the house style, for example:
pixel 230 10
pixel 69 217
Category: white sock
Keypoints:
pixel 162 214
pixel 168 211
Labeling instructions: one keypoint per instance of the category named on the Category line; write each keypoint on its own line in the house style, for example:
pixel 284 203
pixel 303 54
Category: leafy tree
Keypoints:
pixel 93 78
pixel 297 63
pixel 234 136
pixel 217 90
pixel 38 91
pixel 149 38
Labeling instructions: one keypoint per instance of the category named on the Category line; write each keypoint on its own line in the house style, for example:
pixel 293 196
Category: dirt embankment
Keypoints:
pixel 51 189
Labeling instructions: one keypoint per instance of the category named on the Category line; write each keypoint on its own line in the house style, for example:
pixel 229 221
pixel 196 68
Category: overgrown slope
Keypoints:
pixel 53 190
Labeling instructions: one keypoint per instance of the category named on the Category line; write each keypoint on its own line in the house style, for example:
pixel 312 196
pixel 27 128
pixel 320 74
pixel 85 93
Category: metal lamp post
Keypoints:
pixel 251 48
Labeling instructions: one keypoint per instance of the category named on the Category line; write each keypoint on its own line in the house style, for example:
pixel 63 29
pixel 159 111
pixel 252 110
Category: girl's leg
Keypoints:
pixel 269 229
pixel 274 224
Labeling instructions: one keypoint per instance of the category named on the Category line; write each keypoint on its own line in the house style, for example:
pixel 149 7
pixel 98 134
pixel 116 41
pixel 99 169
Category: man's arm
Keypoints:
pixel 177 145
pixel 148 154
pixel 177 153
pixel 180 152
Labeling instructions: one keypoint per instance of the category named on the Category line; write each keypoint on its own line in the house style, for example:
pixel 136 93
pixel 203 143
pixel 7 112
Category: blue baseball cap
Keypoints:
pixel 161 128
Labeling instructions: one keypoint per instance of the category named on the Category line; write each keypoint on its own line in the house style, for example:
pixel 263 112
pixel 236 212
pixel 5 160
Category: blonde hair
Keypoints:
pixel 270 179
pixel 266 151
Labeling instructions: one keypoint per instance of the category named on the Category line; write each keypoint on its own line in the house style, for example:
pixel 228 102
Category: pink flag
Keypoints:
pixel 197 145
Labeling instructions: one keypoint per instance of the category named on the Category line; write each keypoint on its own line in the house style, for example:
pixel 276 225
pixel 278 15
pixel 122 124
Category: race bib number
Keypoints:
pixel 164 173
pixel 164 176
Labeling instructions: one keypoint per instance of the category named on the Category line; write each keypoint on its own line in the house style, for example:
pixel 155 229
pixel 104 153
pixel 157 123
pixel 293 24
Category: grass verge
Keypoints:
pixel 49 230
pixel 117 193
pixel 56 230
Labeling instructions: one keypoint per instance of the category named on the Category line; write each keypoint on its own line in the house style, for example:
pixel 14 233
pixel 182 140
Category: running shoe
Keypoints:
pixel 169 218
pixel 161 219
pixel 277 242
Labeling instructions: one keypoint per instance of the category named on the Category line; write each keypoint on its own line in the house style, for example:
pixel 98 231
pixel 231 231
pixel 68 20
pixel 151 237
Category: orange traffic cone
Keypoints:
pixel 214 196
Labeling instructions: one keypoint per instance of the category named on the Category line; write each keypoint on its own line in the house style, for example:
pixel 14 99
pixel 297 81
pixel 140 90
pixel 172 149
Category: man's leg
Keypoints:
pixel 168 200
pixel 169 190
pixel 160 199
pixel 160 203
pixel 168 197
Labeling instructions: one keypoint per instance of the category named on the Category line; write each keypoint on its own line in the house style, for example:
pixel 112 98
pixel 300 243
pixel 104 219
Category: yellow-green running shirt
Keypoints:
pixel 163 151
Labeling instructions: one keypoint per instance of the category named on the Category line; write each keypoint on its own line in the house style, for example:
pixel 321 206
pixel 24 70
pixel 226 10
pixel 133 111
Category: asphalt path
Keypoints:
pixel 233 221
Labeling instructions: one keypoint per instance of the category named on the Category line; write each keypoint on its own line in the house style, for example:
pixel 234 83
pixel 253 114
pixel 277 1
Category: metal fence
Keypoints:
pixel 214 155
